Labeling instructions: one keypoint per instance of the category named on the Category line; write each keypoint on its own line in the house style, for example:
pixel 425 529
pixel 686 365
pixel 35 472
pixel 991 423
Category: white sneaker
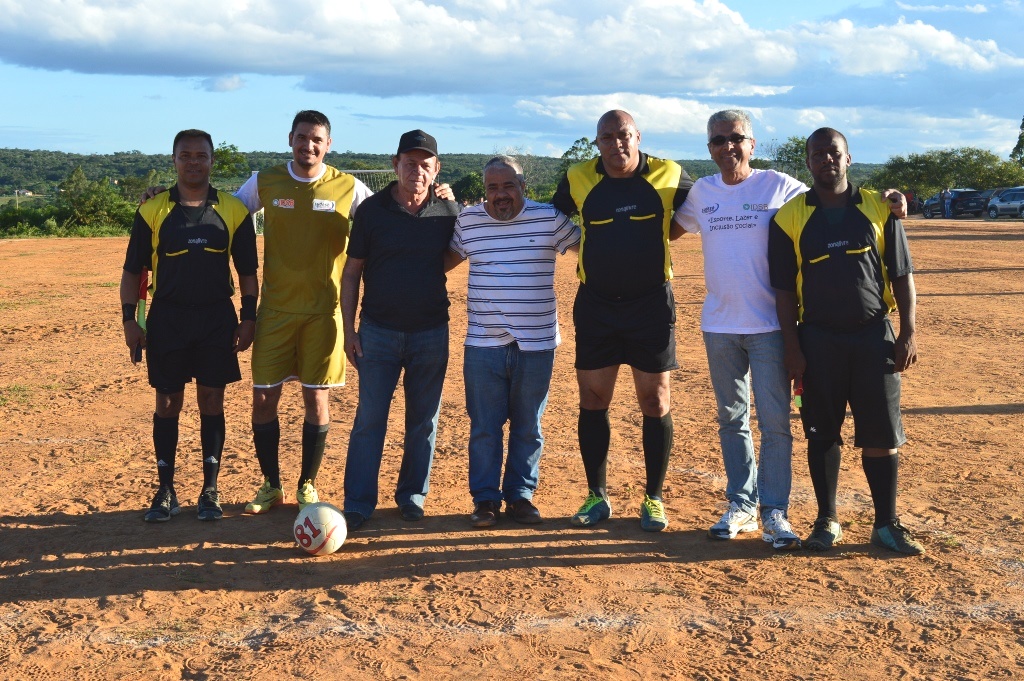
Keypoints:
pixel 778 532
pixel 734 521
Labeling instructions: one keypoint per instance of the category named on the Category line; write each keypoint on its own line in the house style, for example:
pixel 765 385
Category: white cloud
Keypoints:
pixel 971 9
pixel 901 48
pixel 652 113
pixel 223 84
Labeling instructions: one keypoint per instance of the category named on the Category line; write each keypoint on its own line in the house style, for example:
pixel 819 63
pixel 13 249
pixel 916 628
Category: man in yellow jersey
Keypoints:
pixel 308 206
pixel 624 311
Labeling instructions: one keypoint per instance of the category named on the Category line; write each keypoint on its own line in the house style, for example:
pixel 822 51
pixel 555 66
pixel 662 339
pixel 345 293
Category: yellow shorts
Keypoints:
pixel 304 347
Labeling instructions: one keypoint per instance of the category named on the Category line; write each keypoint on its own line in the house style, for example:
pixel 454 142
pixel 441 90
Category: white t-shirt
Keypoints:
pixel 512 274
pixel 733 223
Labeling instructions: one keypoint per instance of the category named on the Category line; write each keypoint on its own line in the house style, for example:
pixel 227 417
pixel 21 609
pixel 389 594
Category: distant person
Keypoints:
pixel 511 243
pixel 624 311
pixel 947 202
pixel 397 252
pixel 840 264
pixel 188 238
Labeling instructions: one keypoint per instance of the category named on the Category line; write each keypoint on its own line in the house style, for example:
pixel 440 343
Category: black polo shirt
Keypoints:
pixel 625 223
pixel 839 265
pixel 188 249
pixel 404 285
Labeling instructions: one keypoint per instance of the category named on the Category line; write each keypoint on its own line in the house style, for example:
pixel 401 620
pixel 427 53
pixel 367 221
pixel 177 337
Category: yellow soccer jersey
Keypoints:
pixel 305 233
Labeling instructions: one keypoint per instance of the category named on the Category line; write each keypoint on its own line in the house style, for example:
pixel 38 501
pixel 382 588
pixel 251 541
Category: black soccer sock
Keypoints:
pixel 211 434
pixel 882 473
pixel 314 441
pixel 165 442
pixel 595 433
pixel 657 448
pixel 266 438
pixel 823 458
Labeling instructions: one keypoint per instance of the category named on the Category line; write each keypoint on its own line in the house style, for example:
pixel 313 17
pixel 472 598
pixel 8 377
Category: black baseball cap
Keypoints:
pixel 417 139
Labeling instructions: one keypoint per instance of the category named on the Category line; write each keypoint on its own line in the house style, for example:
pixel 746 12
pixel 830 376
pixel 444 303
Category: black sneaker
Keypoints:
pixel 165 504
pixel 897 538
pixel 485 514
pixel 826 533
pixel 209 505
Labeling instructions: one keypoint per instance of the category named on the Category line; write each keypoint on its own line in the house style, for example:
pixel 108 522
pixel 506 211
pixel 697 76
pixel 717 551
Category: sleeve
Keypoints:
pixel 359 235
pixel 567 233
pixel 456 242
pixel 360 192
pixel 243 248
pixel 686 215
pixel 563 200
pixel 897 251
pixel 782 265
pixel 249 194
pixel 685 182
pixel 140 246
pixel 793 187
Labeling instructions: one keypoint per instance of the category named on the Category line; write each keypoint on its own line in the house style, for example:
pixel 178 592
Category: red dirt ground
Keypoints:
pixel 89 591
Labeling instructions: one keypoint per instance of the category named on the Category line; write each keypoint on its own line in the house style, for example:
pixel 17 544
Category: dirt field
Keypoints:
pixel 89 591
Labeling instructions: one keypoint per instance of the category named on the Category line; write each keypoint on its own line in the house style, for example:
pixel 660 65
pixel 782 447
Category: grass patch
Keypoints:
pixel 16 393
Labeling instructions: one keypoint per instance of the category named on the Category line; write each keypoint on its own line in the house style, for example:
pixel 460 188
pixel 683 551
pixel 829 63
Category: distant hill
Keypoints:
pixel 41 171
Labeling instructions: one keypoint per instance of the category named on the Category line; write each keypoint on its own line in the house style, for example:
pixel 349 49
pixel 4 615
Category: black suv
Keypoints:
pixel 1010 203
pixel 964 201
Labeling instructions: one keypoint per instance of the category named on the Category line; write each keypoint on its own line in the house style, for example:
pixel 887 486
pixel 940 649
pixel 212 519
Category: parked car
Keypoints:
pixel 989 194
pixel 964 201
pixel 1008 204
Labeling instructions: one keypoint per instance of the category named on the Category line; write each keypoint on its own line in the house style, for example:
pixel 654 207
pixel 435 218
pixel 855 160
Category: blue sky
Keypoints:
pixel 98 76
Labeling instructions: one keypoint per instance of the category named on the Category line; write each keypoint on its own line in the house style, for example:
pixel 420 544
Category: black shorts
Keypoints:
pixel 640 332
pixel 856 367
pixel 183 343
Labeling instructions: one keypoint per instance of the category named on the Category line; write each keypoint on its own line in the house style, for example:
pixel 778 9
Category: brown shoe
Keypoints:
pixel 486 514
pixel 523 511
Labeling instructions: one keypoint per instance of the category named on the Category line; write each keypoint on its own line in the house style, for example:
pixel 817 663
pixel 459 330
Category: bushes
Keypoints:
pixel 81 208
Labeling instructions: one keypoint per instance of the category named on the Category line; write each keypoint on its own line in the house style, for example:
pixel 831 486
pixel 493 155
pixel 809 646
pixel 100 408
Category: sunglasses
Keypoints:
pixel 735 138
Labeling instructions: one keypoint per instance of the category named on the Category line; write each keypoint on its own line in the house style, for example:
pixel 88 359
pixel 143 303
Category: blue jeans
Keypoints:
pixel 424 357
pixel 735 361
pixel 505 384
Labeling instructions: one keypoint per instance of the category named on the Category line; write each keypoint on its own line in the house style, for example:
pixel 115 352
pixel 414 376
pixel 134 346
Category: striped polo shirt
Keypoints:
pixel 511 294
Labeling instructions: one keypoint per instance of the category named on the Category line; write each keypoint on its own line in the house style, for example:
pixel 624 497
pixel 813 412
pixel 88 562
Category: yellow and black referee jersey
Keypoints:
pixel 840 262
pixel 188 249
pixel 625 224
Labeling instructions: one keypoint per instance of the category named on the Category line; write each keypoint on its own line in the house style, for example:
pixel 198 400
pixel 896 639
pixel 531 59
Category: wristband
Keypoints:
pixel 127 312
pixel 248 309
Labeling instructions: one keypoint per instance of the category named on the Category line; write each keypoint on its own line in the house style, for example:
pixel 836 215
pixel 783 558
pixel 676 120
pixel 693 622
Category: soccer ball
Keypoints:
pixel 320 529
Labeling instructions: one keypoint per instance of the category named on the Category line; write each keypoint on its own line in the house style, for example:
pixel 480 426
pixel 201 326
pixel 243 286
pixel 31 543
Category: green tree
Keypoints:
pixel 88 207
pixel 1018 151
pixel 229 163
pixel 469 187
pixel 788 157
pixel 581 150
pixel 961 167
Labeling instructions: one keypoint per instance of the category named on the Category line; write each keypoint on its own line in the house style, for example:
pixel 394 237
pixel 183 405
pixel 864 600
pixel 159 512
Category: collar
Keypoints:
pixel 211 195
pixel 854 198
pixel 641 167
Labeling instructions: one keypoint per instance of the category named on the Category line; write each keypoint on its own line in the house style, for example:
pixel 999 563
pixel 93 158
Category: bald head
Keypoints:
pixel 616 116
pixel 618 140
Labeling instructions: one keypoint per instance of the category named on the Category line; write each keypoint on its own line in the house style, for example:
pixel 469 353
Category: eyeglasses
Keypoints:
pixel 735 138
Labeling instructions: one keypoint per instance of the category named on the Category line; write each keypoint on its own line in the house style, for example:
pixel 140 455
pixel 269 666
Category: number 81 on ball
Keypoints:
pixel 320 529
